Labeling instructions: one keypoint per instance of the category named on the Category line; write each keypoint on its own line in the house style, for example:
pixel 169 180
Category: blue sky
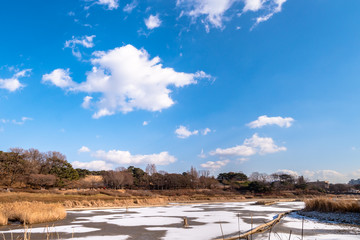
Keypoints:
pixel 226 85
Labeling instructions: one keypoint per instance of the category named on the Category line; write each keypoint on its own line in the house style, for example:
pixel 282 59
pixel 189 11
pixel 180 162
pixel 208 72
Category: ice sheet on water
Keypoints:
pixel 57 229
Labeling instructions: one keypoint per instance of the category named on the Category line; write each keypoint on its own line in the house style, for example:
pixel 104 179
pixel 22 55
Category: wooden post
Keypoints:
pixel 185 223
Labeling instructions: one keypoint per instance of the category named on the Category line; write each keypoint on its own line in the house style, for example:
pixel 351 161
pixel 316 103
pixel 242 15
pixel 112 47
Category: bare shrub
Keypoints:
pixel 42 180
pixel 115 193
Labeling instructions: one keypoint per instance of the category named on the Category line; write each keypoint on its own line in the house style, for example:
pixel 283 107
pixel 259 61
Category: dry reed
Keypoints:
pixel 330 205
pixel 31 212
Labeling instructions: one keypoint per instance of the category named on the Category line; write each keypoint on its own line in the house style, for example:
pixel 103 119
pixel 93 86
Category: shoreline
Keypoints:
pixel 177 203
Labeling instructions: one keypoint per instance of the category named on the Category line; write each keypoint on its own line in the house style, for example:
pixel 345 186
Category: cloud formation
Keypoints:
pixel 84 149
pixel 23 120
pixel 110 4
pixel 215 165
pixel 74 43
pixel 184 132
pixel 60 78
pixel 17 122
pixel 212 10
pixel 251 146
pixel 265 120
pixel 153 22
pixel 324 175
pixel 253 5
pixel 130 6
pixel 213 13
pixel 12 84
pixel 206 131
pixel 126 79
pixel 125 157
pixel 93 165
pixel 274 6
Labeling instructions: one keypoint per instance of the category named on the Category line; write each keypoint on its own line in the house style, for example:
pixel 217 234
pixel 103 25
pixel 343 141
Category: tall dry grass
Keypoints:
pixel 31 212
pixel 330 205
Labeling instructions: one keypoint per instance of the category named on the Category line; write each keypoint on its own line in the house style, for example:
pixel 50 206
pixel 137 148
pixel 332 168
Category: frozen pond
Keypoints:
pixel 206 221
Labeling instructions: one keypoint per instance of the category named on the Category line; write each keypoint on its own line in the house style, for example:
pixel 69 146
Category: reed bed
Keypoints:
pixel 31 212
pixel 330 205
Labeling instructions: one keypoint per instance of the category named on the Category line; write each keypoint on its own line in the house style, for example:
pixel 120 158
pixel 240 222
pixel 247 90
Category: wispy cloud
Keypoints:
pixel 251 146
pixel 214 13
pixel 84 149
pixel 153 21
pixel 184 132
pixel 23 120
pixel 13 83
pixel 110 4
pixel 215 165
pixel 75 42
pixel 265 120
pixel 130 6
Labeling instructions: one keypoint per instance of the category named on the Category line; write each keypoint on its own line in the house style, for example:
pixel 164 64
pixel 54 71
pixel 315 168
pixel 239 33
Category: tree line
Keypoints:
pixel 34 169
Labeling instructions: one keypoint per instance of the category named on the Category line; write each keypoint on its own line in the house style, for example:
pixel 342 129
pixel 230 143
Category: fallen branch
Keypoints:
pixel 262 228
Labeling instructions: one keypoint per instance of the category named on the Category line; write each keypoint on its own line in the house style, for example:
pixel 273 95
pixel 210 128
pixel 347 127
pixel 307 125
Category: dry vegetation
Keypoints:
pixel 31 212
pixel 329 205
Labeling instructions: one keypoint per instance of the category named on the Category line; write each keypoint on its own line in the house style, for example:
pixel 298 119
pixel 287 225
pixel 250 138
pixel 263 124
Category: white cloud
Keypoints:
pixel 125 157
pixel 130 6
pixel 274 6
pixel 265 120
pixel 243 159
pixel 326 175
pixel 86 102
pixel 23 120
pixel 12 84
pixel 85 41
pixel 145 123
pixel 202 154
pixel 16 122
pixel 110 4
pixel 60 78
pixel 253 5
pixel 184 132
pixel 206 131
pixel 239 150
pixel 322 175
pixel 263 145
pixel 213 10
pixel 93 165
pixel 215 165
pixel 84 149
pixel 127 79
pixel 153 21
pixel 250 147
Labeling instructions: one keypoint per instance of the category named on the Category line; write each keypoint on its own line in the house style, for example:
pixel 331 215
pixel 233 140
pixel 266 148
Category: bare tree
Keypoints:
pixel 42 180
pixel 150 169
pixel 117 179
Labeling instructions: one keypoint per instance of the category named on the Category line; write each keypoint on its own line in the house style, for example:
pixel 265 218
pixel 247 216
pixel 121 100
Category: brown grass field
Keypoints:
pixel 31 212
pixel 329 205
